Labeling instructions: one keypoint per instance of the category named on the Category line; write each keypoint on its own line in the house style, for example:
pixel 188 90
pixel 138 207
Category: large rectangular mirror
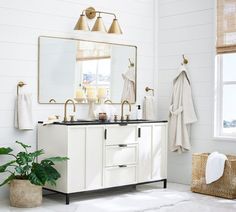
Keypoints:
pixel 85 70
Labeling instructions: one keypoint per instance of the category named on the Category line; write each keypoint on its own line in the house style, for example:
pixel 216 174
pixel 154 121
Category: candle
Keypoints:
pixel 91 92
pixel 80 93
pixel 102 92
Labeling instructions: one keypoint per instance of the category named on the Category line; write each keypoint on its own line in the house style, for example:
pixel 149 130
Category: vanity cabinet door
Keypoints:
pixel 94 157
pixel 76 162
pixel 159 152
pixel 145 159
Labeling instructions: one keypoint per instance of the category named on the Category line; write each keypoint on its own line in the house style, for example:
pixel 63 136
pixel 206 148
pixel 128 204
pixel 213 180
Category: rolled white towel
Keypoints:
pixel 149 108
pixel 23 112
pixel 215 167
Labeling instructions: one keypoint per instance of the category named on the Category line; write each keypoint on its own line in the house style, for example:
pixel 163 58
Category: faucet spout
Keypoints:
pixel 122 108
pixel 65 108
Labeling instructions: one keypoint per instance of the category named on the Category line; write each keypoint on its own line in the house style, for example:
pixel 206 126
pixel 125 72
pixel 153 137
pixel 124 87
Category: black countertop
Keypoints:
pixel 96 122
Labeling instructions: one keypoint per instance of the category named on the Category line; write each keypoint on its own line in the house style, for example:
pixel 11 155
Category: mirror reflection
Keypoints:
pixel 86 70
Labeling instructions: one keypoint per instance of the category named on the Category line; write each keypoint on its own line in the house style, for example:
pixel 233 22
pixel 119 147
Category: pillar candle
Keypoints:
pixel 80 93
pixel 102 92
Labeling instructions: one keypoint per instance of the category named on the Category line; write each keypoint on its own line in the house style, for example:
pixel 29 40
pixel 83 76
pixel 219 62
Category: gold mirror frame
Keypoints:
pixel 76 39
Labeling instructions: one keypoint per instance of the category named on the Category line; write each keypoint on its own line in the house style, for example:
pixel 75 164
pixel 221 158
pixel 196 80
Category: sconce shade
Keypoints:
pixel 115 27
pixel 82 23
pixel 99 25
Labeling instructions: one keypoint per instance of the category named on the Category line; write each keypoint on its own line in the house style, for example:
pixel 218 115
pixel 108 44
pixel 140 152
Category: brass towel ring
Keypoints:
pixel 147 89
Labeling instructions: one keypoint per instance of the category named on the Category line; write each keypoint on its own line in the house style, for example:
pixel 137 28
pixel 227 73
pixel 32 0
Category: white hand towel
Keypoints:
pixel 149 108
pixel 215 167
pixel 23 112
pixel 48 122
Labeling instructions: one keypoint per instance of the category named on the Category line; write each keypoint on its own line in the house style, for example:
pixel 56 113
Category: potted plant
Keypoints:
pixel 27 176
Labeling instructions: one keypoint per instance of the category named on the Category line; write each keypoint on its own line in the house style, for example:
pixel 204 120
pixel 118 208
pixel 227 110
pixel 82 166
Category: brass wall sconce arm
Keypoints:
pixel 90 13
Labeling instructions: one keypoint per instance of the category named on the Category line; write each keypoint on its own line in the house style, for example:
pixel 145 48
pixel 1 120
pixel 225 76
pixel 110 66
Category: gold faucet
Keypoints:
pixel 52 101
pixel 65 108
pixel 122 108
pixel 108 101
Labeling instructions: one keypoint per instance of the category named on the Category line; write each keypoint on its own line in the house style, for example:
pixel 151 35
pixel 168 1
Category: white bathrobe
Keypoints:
pixel 181 112
pixel 129 86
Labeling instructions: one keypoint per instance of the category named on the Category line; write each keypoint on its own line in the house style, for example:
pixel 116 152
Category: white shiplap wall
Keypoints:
pixel 188 27
pixel 21 22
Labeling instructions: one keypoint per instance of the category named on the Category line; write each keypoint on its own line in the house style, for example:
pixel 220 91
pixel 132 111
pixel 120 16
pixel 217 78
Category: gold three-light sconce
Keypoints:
pixel 91 13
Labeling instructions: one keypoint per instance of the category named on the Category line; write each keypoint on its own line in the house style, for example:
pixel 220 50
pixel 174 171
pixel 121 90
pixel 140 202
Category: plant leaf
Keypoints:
pixel 39 174
pixel 19 170
pixel 56 159
pixel 4 166
pixel 47 163
pixel 22 158
pixel 11 177
pixel 52 175
pixel 36 153
pixel 5 151
pixel 23 145
pixel 34 179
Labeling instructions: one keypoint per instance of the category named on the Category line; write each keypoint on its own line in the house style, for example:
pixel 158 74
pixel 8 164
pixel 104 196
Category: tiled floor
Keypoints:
pixel 148 198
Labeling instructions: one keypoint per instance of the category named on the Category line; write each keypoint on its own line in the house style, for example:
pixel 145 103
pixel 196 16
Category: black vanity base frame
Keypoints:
pixel 107 189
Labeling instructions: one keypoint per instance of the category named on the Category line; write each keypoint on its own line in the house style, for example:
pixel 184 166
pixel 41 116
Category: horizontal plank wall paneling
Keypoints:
pixel 22 22
pixel 188 27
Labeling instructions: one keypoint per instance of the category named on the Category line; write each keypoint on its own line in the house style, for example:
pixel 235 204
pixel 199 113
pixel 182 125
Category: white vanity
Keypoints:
pixel 105 155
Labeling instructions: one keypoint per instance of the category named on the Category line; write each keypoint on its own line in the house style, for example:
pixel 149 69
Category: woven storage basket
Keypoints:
pixel 224 187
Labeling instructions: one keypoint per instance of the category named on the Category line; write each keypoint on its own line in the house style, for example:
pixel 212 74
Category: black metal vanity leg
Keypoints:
pixel 165 183
pixel 67 199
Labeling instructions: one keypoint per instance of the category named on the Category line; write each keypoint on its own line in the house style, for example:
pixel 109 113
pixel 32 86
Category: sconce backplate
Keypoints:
pixel 90 12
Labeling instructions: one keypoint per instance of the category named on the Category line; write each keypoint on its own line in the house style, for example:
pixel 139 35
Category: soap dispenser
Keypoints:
pixel 138 112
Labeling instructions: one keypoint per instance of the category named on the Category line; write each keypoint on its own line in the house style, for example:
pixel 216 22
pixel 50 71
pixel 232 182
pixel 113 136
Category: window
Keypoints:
pixel 226 95
pixel 96 72
pixel 225 98
pixel 93 73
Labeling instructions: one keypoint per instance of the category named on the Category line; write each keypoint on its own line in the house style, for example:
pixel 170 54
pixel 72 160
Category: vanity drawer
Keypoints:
pixel 121 135
pixel 118 176
pixel 121 155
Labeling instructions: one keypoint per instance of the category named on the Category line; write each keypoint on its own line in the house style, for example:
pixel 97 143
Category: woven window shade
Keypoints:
pixel 226 26
pixel 92 51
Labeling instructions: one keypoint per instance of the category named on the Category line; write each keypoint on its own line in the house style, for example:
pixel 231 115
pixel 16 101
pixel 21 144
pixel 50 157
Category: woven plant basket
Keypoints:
pixel 23 194
pixel 224 187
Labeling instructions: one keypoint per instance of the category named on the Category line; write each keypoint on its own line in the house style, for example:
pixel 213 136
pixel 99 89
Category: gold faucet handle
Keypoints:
pixel 127 117
pixel 72 117
pixel 115 117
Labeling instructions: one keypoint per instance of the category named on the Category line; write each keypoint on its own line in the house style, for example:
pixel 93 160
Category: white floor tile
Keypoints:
pixel 148 198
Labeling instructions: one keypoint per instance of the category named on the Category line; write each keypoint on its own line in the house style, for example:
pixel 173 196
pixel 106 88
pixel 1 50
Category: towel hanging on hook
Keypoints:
pixel 23 109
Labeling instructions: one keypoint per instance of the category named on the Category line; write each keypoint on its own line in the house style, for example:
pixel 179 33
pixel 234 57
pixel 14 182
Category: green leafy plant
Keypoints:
pixel 24 166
